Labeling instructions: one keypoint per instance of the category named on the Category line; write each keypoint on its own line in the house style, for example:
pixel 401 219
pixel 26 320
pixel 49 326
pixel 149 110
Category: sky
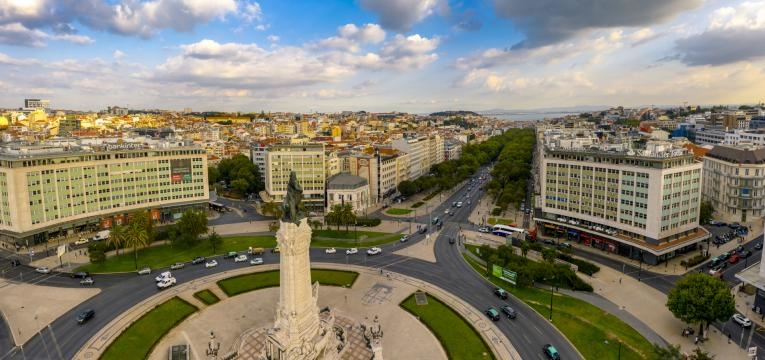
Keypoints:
pixel 380 55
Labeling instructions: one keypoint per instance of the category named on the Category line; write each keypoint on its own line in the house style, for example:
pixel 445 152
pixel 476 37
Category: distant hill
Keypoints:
pixel 454 113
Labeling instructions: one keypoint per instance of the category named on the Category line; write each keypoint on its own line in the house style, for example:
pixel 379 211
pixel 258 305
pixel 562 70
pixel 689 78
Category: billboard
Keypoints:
pixel 180 170
pixel 504 274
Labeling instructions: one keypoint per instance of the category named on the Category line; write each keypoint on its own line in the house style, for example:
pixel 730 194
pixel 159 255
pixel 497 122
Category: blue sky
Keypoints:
pixel 380 55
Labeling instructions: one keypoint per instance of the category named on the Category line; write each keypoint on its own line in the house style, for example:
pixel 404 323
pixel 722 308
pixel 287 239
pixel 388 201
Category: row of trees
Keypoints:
pixel 447 174
pixel 340 214
pixel 238 173
pixel 512 171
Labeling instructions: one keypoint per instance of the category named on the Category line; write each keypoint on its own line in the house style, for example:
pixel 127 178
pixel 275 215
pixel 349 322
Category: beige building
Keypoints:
pixel 424 152
pixel 308 162
pixel 734 182
pixel 345 188
pixel 54 188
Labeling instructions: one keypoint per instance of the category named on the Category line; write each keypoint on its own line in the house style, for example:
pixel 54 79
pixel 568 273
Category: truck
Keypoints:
pixel 255 251
pixel 102 235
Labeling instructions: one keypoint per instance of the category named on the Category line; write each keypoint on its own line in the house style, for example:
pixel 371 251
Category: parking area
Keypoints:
pixel 723 233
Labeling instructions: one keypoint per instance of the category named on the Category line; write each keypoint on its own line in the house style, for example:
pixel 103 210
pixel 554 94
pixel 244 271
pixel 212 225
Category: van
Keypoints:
pixel 256 251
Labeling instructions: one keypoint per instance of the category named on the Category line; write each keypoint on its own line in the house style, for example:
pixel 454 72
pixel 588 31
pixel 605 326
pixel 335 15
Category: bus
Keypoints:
pixel 506 230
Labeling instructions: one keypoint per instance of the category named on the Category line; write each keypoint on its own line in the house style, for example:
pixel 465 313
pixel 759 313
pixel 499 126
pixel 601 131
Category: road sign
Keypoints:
pixel 504 274
pixel 753 351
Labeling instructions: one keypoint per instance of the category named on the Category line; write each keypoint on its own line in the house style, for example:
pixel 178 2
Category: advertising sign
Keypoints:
pixel 504 274
pixel 180 170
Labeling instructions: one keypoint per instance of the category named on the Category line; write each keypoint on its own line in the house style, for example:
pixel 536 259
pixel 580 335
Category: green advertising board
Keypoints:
pixel 504 274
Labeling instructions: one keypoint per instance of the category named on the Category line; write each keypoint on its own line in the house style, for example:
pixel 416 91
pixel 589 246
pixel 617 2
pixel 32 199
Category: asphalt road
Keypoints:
pixel 528 333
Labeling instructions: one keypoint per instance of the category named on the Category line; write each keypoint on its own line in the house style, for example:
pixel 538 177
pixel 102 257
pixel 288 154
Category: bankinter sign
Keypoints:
pixel 504 274
pixel 180 170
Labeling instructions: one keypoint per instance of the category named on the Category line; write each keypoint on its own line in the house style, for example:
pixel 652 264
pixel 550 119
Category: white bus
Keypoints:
pixel 504 230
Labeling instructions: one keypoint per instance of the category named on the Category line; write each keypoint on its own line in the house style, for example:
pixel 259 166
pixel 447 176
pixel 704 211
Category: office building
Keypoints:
pixel 53 188
pixel 642 203
pixel 32 104
pixel 344 188
pixel 734 178
pixel 308 162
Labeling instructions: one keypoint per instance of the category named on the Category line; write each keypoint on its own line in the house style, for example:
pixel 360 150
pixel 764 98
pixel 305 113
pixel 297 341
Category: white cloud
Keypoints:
pixel 350 37
pixel 747 15
pixel 401 15
pixel 76 39
pixel 18 34
pixel 251 12
pixel 118 54
pixel 273 38
pixel 412 51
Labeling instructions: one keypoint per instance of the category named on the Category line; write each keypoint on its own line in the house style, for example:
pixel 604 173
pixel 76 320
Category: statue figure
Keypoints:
pixel 291 207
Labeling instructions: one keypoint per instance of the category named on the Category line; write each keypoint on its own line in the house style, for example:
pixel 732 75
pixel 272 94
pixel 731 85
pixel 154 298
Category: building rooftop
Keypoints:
pixel 346 181
pixel 63 147
pixel 738 155
pixel 594 142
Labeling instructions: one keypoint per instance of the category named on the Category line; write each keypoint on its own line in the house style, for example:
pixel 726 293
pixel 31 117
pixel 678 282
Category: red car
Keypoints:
pixel 734 259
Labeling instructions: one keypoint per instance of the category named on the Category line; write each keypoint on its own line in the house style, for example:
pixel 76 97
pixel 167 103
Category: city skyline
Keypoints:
pixel 414 56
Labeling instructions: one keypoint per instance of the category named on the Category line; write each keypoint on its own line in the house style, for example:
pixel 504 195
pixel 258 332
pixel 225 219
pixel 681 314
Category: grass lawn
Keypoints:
pixel 137 341
pixel 585 325
pixel 341 238
pixel 398 211
pixel 206 296
pixel 457 336
pixel 248 282
pixel 165 255
pixel 417 204
pixel 501 221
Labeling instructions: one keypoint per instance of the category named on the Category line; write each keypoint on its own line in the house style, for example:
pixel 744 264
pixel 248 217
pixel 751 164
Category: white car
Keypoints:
pixel 404 238
pixel 163 276
pixel 330 251
pixel 459 203
pixel 81 242
pixel 144 271
pixel 741 320
pixel 351 251
pixel 446 211
pixel 211 263
pixel 374 251
pixel 87 281
pixel 483 229
pixel 43 270
pixel 256 261
pixel 166 283
pixel 240 258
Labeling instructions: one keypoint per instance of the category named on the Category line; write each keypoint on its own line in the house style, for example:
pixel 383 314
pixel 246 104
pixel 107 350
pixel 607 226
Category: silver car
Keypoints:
pixel 741 320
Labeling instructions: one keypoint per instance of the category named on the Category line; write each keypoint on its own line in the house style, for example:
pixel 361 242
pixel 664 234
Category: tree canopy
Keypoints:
pixel 705 212
pixel 513 168
pixel 700 298
pixel 239 173
pixel 187 231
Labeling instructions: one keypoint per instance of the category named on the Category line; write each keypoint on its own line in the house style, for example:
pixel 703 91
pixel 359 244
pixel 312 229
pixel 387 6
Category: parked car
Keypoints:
pixel 230 255
pixel 436 220
pixel 734 259
pixel 177 266
pixel 758 246
pixel 163 276
pixel 404 238
pixel 745 254
pixel 330 251
pixel 211 263
pixel 351 251
pixel 87 281
pixel 256 261
pixel 724 256
pixel 501 293
pixel 492 313
pixel 240 258
pixel 166 283
pixel 714 222
pixel 198 260
pixel 82 241
pixel 423 229
pixel 508 311
pixel 483 229
pixel 564 246
pixel 551 352
pixel 374 251
pixel 741 320
pixel 80 275
pixel 276 250
pixel 86 315
pixel 43 270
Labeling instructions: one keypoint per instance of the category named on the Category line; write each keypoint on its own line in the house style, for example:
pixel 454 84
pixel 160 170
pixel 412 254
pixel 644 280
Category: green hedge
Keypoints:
pixel 206 296
pixel 698 259
pixel 418 204
pixel 583 265
pixel 369 222
pixel 431 195
pixel 260 280
pixel 496 211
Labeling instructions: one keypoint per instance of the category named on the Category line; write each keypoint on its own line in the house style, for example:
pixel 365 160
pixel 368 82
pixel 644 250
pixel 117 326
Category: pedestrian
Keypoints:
pixel 728 337
pixel 620 280
pixel 696 340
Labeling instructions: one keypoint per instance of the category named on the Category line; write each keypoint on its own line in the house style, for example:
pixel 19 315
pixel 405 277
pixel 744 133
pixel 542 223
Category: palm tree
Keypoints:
pixel 137 236
pixel 333 216
pixel 117 237
pixel 525 247
pixel 273 209
pixel 347 215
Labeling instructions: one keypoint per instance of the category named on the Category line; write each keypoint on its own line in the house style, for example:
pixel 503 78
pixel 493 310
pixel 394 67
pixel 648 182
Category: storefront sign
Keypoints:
pixel 504 274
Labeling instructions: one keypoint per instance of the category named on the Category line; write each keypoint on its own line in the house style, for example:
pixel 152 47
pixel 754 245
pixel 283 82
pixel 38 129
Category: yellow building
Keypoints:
pixel 337 132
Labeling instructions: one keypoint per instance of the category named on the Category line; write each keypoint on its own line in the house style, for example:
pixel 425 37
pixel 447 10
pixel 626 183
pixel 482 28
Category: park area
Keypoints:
pixel 250 282
pixel 398 211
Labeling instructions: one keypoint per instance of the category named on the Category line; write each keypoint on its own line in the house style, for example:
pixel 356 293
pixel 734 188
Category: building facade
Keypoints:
pixel 52 189
pixel 345 188
pixel 424 152
pixel 308 162
pixel 643 204
pixel 734 182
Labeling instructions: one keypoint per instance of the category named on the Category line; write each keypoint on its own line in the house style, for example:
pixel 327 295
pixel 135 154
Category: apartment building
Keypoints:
pixel 452 149
pixel 642 203
pixel 53 188
pixel 308 163
pixel 424 152
pixel 734 182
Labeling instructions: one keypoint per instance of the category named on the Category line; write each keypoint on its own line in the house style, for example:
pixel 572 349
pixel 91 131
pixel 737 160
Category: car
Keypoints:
pixel 255 251
pixel 549 242
pixel 351 251
pixel 758 246
pixel 211 263
pixel 404 238
pixel 230 255
pixel 714 262
pixel 745 254
pixel 374 251
pixel 501 293
pixel 87 281
pixel 436 220
pixel 741 320
pixel 256 261
pixel 459 203
pixel 734 259
pixel 452 241
pixel 492 313
pixel 240 258
pixel 468 202
pixel 508 311
pixel 451 213
pixel 483 229
pixel 724 256
pixel 734 226
pixel 330 251
pixel 716 271
pixel 198 260
pixel 15 262
pixel 86 315
pixel 43 270
pixel 276 250
pixel 454 204
pixel 163 276
pixel 82 241
pixel 423 229
pixel 166 283
pixel 551 352
pixel 177 266
pixel 713 222
pixel 564 246
pixel 446 212
pixel 80 275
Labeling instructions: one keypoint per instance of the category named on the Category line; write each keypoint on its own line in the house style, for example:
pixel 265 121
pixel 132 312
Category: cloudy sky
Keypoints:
pixel 380 55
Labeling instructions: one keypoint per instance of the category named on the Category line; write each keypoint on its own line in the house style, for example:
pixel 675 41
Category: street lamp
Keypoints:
pixel 551 297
